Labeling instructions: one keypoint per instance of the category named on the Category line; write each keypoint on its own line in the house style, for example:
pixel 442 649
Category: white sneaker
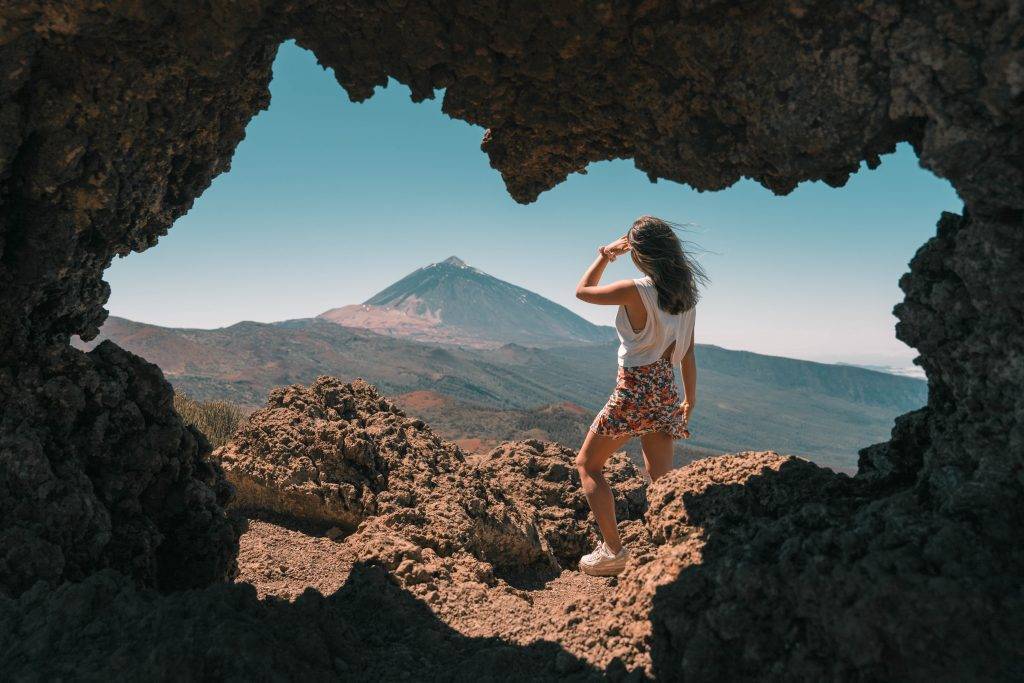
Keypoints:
pixel 603 562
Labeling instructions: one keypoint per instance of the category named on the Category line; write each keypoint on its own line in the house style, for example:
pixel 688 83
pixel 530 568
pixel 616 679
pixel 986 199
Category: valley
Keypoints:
pixel 486 361
pixel 746 401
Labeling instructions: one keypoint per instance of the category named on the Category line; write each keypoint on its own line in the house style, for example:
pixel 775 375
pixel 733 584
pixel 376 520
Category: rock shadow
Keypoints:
pixel 242 516
pixel 411 638
pixel 805 575
pixel 370 629
pixel 531 578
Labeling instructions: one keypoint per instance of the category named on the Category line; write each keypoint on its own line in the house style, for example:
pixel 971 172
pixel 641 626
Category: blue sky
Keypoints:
pixel 329 201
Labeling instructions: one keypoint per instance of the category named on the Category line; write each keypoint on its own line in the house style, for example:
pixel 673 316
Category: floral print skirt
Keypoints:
pixel 644 399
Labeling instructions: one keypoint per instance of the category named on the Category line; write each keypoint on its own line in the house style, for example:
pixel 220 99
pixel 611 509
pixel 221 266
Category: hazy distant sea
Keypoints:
pixel 901 370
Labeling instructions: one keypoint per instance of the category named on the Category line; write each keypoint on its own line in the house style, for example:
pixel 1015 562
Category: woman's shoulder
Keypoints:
pixel 644 281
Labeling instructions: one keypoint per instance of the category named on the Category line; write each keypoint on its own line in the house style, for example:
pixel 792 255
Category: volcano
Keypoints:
pixel 452 302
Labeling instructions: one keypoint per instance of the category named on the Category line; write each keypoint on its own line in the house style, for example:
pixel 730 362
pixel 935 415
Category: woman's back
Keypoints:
pixel 661 330
pixel 644 403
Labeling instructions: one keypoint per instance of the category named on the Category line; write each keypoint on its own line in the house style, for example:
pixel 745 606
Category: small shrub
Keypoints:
pixel 216 419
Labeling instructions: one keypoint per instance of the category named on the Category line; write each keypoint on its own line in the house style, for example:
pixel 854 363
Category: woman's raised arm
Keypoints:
pixel 589 289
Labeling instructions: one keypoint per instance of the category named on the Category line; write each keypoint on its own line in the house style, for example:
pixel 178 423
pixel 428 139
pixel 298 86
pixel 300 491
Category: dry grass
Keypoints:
pixel 216 419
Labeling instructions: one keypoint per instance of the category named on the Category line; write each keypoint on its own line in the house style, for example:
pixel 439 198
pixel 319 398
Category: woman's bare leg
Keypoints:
pixel 593 455
pixel 658 449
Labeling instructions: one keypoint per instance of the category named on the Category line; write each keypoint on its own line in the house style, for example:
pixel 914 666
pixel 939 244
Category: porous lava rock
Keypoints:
pixel 752 538
pixel 730 488
pixel 98 471
pixel 324 453
pixel 542 477
pixel 338 454
pixel 678 606
pixel 115 116
pixel 688 509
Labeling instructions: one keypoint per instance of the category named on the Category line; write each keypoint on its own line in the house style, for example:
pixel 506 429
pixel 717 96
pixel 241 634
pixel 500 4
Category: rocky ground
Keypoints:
pixel 313 518
pixel 372 549
pixel 284 562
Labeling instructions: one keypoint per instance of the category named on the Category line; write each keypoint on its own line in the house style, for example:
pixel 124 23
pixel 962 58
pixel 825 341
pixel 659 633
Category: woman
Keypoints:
pixel 655 329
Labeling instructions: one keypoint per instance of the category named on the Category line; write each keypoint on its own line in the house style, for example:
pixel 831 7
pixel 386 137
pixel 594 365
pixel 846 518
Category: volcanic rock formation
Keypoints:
pixel 114 480
pixel 542 476
pixel 339 455
pixel 115 116
pixel 432 526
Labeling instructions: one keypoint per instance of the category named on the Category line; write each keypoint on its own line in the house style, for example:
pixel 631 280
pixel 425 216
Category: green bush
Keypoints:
pixel 216 419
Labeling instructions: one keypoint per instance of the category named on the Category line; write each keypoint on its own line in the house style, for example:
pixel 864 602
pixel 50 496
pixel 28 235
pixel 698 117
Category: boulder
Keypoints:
pixel 98 471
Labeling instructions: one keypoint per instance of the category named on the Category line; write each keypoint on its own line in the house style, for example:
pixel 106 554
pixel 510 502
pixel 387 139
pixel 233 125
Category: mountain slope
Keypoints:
pixel 451 302
pixel 746 401
pixel 478 428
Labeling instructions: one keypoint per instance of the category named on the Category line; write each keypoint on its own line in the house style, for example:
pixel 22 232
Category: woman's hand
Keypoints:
pixel 615 249
pixel 684 410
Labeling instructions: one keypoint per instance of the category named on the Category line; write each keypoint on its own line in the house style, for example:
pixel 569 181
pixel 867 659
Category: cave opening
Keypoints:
pixel 329 202
pixel 116 116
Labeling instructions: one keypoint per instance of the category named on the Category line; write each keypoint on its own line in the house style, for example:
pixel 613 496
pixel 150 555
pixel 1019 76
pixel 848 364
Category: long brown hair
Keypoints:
pixel 658 252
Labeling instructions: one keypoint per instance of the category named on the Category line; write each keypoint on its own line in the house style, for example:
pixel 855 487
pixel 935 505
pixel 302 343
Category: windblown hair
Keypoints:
pixel 658 252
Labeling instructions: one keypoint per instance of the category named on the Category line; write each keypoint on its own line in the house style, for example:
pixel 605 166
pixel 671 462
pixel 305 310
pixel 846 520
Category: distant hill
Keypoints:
pixel 747 401
pixel 451 302
pixel 484 360
pixel 478 429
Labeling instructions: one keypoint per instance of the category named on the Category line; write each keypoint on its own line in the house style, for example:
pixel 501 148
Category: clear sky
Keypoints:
pixel 329 202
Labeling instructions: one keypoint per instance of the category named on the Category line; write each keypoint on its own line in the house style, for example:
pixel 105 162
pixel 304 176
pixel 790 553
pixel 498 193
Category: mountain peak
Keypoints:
pixel 453 302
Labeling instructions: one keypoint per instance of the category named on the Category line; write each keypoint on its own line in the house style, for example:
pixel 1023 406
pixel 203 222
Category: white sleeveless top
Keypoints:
pixel 647 345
